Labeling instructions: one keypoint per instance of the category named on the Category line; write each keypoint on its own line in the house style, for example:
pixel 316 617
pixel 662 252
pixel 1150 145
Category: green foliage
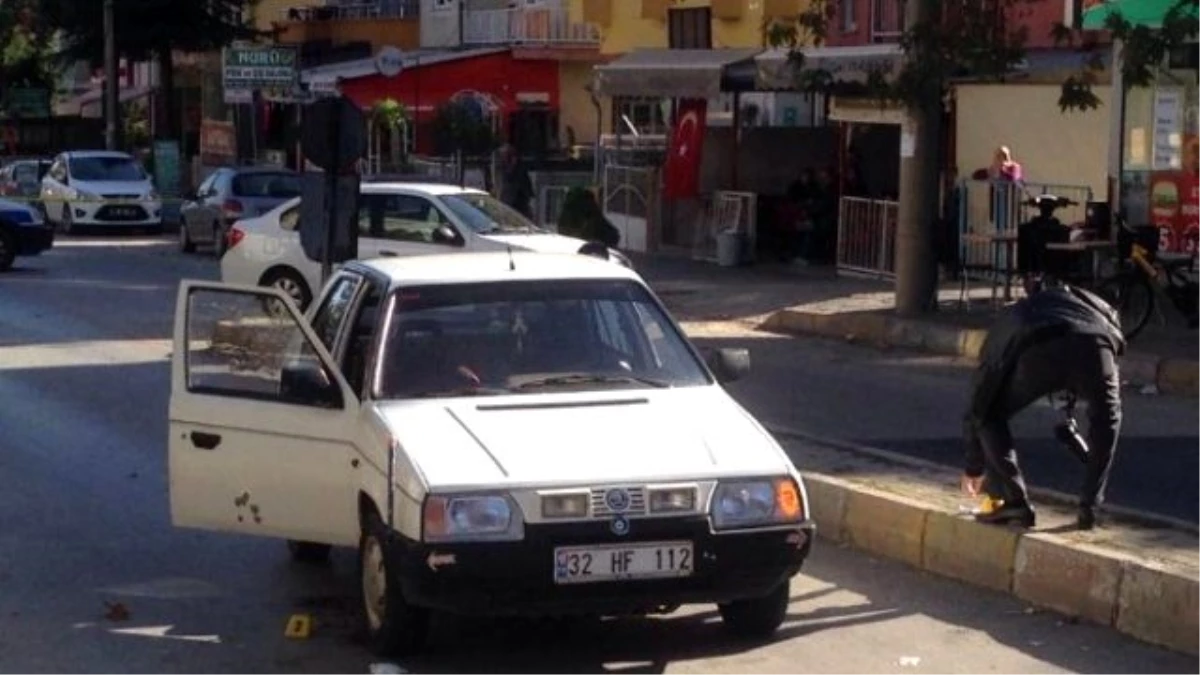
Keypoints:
pixel 582 217
pixel 980 38
pixel 457 126
pixel 389 113
pixel 145 29
pixel 1144 52
pixel 26 46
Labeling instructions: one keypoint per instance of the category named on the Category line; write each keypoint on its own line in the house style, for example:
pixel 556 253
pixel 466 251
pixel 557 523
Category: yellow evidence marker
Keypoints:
pixel 299 627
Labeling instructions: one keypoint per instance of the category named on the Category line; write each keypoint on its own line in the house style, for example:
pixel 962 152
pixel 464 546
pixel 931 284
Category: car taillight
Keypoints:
pixel 232 208
pixel 234 237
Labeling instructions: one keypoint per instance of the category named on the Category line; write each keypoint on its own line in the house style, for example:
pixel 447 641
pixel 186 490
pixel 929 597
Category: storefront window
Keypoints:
pixel 1159 184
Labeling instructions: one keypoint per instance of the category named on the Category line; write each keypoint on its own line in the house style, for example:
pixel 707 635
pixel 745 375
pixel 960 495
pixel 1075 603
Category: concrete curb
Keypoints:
pixel 1175 376
pixel 1137 598
pixel 1079 580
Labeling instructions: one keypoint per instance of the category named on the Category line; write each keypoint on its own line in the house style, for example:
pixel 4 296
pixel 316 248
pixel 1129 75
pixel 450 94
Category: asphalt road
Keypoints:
pixel 84 524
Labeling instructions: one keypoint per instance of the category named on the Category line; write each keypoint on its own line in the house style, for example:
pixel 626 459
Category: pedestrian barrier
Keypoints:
pixel 866 243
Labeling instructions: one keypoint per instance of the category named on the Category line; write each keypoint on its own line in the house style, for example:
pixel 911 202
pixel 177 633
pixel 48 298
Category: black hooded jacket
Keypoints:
pixel 1054 312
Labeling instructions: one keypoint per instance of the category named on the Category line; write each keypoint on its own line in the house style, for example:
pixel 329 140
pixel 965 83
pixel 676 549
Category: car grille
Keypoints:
pixel 601 508
pixel 121 196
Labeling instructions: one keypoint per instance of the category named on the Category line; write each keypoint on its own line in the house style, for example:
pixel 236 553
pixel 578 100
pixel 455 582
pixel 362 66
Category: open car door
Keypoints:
pixel 261 422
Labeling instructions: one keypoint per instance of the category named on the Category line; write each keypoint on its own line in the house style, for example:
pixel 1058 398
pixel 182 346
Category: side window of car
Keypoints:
pixel 327 321
pixel 289 219
pixel 356 355
pixel 410 218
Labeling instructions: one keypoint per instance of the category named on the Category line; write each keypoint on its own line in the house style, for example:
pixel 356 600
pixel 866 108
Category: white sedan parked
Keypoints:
pixel 395 219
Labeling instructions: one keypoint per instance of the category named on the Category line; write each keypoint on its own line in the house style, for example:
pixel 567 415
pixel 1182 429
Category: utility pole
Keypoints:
pixel 916 265
pixel 110 78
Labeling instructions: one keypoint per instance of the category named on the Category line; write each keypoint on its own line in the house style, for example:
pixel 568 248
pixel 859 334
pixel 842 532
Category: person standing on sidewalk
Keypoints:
pixel 516 188
pixel 1058 339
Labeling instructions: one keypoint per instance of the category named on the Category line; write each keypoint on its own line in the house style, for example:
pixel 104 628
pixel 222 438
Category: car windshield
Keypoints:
pixel 107 169
pixel 521 337
pixel 267 185
pixel 487 215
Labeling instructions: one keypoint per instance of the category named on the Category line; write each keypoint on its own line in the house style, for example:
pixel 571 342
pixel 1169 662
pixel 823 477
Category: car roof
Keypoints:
pixel 435 189
pixel 466 268
pixel 97 153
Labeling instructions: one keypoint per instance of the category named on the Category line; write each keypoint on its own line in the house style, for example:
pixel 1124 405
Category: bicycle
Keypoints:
pixel 1143 275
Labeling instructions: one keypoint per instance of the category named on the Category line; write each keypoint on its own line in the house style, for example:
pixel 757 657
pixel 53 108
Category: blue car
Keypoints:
pixel 23 231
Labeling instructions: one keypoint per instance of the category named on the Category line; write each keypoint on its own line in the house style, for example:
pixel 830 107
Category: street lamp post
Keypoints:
pixel 110 78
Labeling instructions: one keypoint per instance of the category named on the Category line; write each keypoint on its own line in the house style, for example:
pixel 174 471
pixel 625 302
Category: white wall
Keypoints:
pixel 1052 147
pixel 439 23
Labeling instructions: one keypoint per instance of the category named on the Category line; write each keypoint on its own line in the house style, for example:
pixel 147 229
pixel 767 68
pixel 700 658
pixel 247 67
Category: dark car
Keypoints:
pixel 22 179
pixel 228 195
pixel 23 232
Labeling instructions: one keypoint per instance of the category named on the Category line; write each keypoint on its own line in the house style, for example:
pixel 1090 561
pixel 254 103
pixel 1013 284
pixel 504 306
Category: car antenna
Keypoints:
pixel 512 264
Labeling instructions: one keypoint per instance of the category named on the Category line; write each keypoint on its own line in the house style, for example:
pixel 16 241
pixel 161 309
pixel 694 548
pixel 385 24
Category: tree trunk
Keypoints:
pixel 166 123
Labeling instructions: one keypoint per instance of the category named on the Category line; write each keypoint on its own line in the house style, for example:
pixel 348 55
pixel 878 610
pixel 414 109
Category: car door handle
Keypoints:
pixel 388 254
pixel 205 441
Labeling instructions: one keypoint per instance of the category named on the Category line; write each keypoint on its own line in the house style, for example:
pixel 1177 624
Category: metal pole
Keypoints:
pixel 331 187
pixel 110 78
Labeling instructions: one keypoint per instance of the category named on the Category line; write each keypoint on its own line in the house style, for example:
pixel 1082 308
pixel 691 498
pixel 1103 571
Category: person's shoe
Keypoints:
pixel 1087 518
pixel 1016 514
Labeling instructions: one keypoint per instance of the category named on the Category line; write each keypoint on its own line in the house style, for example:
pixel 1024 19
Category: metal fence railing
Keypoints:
pixel 992 207
pixel 866 242
pixel 550 205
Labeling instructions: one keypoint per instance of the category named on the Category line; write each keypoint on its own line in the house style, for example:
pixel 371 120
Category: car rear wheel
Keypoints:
pixel 8 250
pixel 218 234
pixel 393 627
pixel 293 285
pixel 186 244
pixel 757 618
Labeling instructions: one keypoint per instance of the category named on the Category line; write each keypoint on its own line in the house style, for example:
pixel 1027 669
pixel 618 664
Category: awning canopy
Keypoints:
pixel 669 73
pixel 777 71
pixel 1149 13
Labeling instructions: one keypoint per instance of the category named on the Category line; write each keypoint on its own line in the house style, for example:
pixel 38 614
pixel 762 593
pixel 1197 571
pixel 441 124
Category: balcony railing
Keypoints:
pixel 887 20
pixel 379 9
pixel 527 25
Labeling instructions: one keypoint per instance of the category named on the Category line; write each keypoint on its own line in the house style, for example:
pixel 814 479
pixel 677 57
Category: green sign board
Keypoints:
pixel 260 66
pixel 166 167
pixel 27 102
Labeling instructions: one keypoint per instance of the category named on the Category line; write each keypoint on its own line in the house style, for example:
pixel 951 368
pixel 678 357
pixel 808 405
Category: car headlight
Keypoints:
pixel 85 196
pixel 756 503
pixel 152 195
pixel 467 518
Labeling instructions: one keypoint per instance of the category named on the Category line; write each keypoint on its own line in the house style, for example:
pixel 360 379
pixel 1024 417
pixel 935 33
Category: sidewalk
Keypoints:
pixel 815 301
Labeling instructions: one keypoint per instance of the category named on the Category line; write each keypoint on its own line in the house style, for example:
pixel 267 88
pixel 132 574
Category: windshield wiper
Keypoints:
pixel 589 378
pixel 461 391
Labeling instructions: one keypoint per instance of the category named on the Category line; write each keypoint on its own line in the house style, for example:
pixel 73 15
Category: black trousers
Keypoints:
pixel 1080 364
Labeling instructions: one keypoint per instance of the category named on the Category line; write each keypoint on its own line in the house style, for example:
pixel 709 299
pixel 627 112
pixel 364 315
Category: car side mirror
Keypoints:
pixel 445 234
pixel 306 382
pixel 728 364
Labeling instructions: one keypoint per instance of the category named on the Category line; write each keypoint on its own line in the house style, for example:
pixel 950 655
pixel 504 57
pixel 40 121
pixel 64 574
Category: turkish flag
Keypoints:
pixel 681 171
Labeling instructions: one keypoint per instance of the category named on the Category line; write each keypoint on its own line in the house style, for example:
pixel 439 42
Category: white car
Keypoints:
pixel 395 220
pixel 100 188
pixel 497 434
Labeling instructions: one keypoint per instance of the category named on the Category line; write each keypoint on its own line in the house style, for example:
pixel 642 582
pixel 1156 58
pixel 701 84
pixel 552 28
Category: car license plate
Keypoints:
pixel 650 560
pixel 125 212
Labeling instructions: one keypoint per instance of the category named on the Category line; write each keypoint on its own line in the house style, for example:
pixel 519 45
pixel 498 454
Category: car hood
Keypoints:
pixel 106 187
pixel 582 438
pixel 538 242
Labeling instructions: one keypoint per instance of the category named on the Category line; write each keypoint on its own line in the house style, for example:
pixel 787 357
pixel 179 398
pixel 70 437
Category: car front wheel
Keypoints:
pixel 393 627
pixel 757 618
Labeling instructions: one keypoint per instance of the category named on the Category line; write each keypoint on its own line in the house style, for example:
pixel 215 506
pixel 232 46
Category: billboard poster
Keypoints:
pixel 1175 202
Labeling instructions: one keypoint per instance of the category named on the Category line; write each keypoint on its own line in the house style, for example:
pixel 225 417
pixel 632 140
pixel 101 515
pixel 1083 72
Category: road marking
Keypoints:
pixel 83 353
pixel 161 632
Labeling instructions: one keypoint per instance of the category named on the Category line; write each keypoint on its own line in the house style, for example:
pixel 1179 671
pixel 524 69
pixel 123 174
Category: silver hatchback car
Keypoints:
pixel 228 195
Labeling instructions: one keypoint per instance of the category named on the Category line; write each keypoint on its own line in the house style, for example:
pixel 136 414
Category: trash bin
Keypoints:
pixel 729 248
